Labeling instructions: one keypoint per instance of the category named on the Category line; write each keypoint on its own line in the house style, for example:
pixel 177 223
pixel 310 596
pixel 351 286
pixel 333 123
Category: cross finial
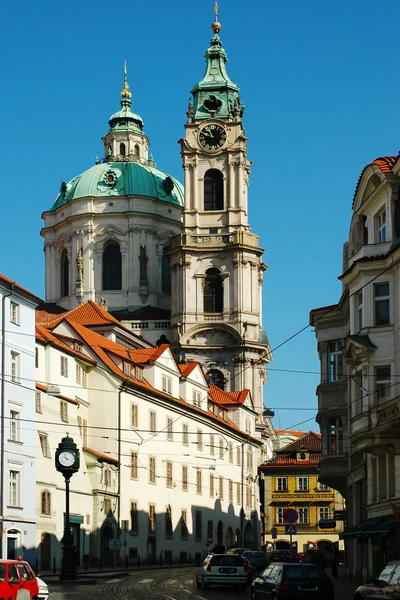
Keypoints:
pixel 125 94
pixel 216 10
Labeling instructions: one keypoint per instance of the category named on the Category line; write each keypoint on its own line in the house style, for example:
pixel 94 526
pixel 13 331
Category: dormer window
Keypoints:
pixel 302 455
pixel 380 227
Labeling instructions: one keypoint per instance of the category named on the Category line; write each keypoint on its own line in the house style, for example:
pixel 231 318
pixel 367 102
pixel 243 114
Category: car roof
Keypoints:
pixel 292 564
pixel 12 561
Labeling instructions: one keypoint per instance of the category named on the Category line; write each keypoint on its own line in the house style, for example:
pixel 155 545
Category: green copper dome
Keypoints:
pixel 121 179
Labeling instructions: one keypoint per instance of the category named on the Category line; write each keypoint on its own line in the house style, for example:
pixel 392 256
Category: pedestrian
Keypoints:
pixel 335 564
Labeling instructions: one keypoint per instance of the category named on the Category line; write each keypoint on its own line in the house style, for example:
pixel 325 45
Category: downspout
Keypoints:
pixel 3 385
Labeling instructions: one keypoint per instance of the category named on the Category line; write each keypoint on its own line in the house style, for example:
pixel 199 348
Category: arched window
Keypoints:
pixel 216 378
pixel 137 151
pixel 64 274
pixel 213 292
pixel 122 149
pixel 335 436
pixel 112 267
pixel 46 503
pixel 165 273
pixel 213 190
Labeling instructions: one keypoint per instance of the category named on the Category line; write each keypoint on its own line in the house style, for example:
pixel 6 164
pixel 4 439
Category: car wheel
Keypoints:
pixel 204 585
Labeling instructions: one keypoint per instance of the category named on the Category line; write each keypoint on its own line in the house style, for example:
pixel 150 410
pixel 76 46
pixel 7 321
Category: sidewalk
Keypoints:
pixel 344 588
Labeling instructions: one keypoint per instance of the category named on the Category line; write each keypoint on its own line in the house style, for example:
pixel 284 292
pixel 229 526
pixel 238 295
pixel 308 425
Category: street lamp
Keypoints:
pixel 67 462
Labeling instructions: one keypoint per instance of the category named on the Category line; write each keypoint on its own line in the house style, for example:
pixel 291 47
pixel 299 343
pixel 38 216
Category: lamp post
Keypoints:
pixel 67 462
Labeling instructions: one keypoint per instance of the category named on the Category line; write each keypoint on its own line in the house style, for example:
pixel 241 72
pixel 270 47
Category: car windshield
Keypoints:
pixel 386 573
pixel 301 573
pixel 233 560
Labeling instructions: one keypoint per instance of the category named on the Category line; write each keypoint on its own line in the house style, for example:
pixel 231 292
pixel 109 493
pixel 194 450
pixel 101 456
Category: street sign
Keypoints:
pixel 290 529
pixel 274 533
pixel 290 515
pixel 114 544
pixel 339 515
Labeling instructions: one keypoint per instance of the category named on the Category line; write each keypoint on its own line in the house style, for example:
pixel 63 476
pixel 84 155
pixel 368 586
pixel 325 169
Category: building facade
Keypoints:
pixel 290 480
pixel 358 344
pixel 17 414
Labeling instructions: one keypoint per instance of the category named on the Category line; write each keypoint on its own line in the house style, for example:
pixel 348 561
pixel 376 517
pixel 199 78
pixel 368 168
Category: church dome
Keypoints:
pixel 121 179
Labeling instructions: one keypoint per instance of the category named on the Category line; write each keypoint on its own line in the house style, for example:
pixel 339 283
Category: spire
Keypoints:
pixel 125 94
pixel 125 118
pixel 216 95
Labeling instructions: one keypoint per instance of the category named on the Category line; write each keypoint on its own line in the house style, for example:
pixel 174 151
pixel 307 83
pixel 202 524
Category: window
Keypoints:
pixel 139 373
pixel 184 478
pixel 323 487
pixel 212 445
pixel 212 490
pixel 249 495
pixel 134 465
pixel 335 362
pixel 83 430
pixel 165 273
pixel 213 291
pixel 170 433
pixel 213 190
pixel 210 531
pixel 36 358
pixel 303 515
pixel 153 422
pixel 198 482
pixel 221 488
pixel 282 484
pixel 382 383
pixel 14 313
pixel 122 149
pixel 152 469
pixel 324 512
pixel 249 459
pixel 238 455
pixel 230 452
pixel 380 225
pixel 137 151
pixel 335 437
pixel 112 267
pixel 64 366
pixel 168 521
pixel 198 525
pixel 185 434
pixel 44 444
pixel 302 484
pixel 152 518
pixel 184 529
pixel 126 367
pixel 81 376
pixel 107 477
pixel 14 488
pixel 38 398
pixel 359 309
pixel 15 367
pixel 381 304
pixel 221 448
pixel 134 517
pixel 247 426
pixel 64 411
pixel 64 274
pixel 279 514
pixel 14 426
pixel 199 440
pixel 46 503
pixel 167 384
pixel 230 488
pixel 196 398
pixel 238 498
pixel 169 474
pixel 134 415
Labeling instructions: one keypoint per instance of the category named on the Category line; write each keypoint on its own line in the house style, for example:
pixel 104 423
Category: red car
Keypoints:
pixel 17 580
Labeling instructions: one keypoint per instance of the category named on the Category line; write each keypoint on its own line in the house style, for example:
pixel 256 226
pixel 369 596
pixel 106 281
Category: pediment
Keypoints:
pixel 215 336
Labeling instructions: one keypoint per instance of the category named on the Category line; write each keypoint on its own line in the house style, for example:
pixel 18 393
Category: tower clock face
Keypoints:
pixel 212 137
pixel 66 458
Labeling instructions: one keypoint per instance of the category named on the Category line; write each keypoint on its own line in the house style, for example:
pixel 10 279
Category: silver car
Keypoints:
pixel 43 589
pixel 223 569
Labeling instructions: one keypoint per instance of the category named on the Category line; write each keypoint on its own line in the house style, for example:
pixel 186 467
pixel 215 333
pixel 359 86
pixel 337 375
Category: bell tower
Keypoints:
pixel 216 263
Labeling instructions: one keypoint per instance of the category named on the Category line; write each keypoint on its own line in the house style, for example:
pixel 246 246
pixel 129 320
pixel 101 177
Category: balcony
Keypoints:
pixel 380 428
pixel 333 472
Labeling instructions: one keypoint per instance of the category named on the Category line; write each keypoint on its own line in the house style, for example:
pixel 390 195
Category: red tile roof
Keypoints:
pixel 227 398
pixel 311 441
pixel 187 368
pixel 288 460
pixel 385 164
pixel 47 337
pixel 289 432
pixel 145 355
pixel 18 287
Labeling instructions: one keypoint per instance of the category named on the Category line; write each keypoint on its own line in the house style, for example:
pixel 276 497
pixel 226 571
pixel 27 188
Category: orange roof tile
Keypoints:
pixel 310 440
pixel 385 163
pixel 145 355
pixel 18 287
pixel 187 368
pixel 289 432
pixel 48 337
pixel 227 398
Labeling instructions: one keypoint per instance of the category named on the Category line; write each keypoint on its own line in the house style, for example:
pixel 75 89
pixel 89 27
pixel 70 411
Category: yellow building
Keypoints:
pixel 290 480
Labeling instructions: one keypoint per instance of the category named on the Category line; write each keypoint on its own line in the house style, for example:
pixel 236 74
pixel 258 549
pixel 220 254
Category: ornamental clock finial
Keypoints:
pixel 125 94
pixel 216 26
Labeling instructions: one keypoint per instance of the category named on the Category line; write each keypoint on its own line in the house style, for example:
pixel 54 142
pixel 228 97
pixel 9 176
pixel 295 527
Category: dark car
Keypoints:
pixel 257 560
pixel 292 581
pixel 386 585
pixel 282 555
pixel 238 550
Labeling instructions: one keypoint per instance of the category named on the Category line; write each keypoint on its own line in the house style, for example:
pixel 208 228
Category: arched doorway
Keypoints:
pixel 282 545
pixel 45 551
pixel 220 533
pixel 248 536
pixel 106 535
pixel 230 542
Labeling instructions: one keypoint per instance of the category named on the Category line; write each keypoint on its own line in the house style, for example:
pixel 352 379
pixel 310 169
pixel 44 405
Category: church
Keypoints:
pixel 174 263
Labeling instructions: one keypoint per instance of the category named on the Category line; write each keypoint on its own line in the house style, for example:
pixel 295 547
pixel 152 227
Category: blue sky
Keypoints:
pixel 321 87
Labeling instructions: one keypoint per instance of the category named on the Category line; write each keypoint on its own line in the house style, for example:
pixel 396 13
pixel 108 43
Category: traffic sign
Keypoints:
pixel 290 515
pixel 114 544
pixel 290 529
pixel 339 515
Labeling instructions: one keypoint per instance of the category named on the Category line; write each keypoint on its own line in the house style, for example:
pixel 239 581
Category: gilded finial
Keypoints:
pixel 125 94
pixel 216 26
